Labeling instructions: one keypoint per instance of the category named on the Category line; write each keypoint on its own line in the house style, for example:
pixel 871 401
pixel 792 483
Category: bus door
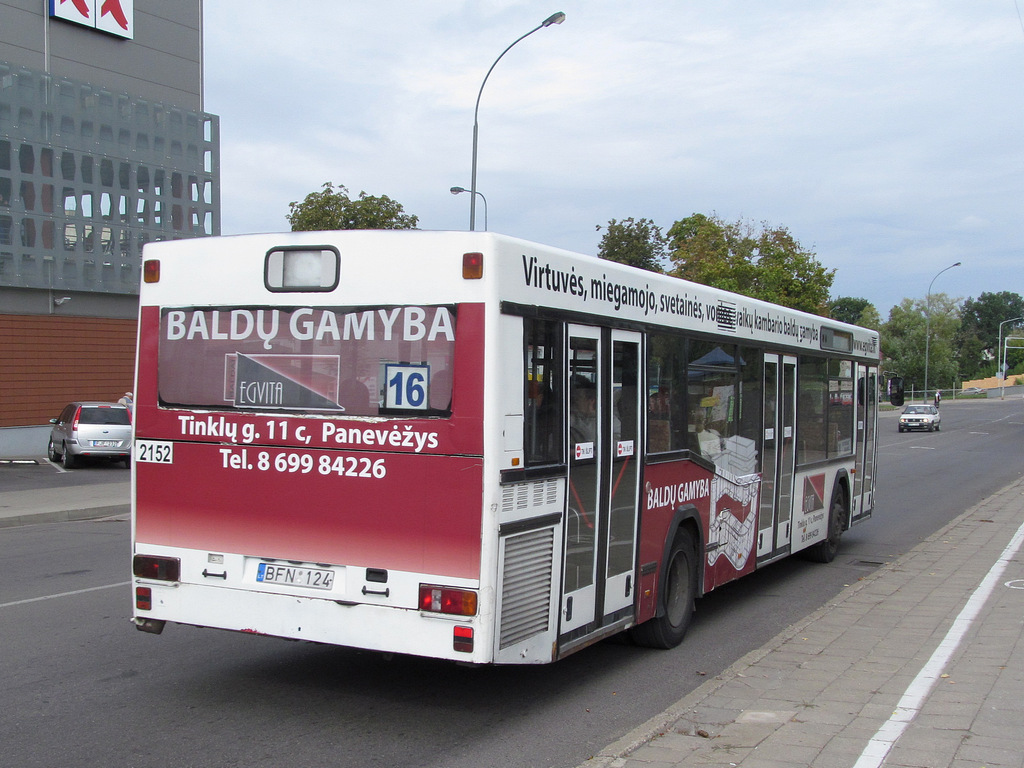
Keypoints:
pixel 624 478
pixel 778 457
pixel 603 486
pixel 582 524
pixel 864 462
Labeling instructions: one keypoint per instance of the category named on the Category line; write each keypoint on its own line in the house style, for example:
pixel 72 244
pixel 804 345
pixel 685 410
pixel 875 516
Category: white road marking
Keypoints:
pixel 64 594
pixel 915 696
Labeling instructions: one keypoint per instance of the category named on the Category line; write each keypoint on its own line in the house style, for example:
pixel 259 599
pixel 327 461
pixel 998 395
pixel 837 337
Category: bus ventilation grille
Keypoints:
pixel 523 496
pixel 526 585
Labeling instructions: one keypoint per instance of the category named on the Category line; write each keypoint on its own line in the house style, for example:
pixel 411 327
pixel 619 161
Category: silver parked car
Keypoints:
pixel 101 430
pixel 920 417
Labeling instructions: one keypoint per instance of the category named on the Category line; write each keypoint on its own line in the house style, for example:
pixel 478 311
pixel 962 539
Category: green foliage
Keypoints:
pixel 334 209
pixel 978 338
pixel 856 311
pixel 904 345
pixel 637 243
pixel 711 252
pixel 769 265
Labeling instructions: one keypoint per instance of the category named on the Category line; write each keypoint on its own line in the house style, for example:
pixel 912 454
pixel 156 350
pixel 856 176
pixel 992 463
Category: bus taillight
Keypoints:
pixel 157 568
pixel 457 602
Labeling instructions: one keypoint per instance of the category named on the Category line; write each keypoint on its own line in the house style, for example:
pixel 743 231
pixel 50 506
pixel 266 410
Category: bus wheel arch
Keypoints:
pixel 679 584
pixel 838 510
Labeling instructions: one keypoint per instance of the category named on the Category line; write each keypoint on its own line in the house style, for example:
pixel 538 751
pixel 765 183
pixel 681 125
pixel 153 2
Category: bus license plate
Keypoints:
pixel 294 576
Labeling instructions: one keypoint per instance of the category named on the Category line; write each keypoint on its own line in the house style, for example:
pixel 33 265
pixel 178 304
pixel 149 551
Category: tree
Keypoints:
pixel 904 346
pixel 790 275
pixel 769 265
pixel 978 339
pixel 857 311
pixel 706 250
pixel 333 209
pixel 637 243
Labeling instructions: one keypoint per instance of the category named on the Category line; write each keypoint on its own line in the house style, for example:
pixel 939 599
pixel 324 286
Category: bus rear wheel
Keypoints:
pixel 825 551
pixel 668 628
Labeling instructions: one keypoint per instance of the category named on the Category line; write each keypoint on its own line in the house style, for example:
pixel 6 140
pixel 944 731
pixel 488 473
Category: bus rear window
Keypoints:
pixel 355 361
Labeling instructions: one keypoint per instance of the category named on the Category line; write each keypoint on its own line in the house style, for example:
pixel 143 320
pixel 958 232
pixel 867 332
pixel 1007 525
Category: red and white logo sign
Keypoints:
pixel 116 17
pixel 584 451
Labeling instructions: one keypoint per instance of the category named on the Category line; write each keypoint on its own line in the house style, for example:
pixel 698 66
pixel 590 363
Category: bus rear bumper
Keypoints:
pixel 315 619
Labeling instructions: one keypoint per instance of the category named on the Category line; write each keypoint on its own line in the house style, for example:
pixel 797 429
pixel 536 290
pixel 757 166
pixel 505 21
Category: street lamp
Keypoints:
pixel 1001 351
pixel 458 190
pixel 555 18
pixel 928 322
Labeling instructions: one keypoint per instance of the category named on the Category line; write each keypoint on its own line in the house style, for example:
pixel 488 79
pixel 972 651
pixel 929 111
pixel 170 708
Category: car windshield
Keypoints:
pixel 100 415
pixel 918 409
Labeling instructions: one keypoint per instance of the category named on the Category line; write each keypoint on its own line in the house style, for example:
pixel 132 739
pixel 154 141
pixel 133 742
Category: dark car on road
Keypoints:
pixel 99 430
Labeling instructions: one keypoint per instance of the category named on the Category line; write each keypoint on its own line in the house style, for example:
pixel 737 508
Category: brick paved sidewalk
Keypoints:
pixel 832 690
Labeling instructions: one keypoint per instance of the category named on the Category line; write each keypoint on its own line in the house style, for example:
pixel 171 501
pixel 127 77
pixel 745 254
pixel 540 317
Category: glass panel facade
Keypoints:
pixel 109 153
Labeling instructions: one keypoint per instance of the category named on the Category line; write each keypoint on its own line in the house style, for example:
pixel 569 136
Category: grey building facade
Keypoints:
pixel 104 146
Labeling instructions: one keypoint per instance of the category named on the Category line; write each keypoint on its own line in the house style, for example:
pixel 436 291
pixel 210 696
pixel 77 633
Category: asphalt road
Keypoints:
pixel 83 688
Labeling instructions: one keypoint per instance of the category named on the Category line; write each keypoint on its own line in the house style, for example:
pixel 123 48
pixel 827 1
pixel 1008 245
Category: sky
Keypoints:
pixel 887 137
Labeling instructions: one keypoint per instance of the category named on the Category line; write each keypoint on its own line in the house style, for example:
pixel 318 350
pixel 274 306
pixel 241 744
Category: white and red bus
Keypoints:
pixel 467 446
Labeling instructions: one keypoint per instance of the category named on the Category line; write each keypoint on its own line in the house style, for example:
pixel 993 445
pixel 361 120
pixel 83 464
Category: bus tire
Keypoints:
pixel 825 551
pixel 668 628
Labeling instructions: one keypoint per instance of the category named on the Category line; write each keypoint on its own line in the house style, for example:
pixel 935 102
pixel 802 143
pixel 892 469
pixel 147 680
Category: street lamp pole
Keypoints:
pixel 1001 351
pixel 458 190
pixel 555 18
pixel 928 323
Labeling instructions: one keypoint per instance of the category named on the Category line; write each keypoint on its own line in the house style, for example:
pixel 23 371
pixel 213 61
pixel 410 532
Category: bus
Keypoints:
pixel 467 446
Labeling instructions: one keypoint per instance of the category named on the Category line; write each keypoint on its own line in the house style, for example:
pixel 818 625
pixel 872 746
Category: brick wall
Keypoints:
pixel 47 361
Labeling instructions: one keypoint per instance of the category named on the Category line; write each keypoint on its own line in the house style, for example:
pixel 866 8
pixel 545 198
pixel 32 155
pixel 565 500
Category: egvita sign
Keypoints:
pixel 116 17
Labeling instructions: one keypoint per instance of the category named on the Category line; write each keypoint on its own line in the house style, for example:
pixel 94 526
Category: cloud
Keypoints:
pixel 886 137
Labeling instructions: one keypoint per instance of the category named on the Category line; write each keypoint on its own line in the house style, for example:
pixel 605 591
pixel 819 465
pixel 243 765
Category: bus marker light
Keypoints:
pixel 472 266
pixel 157 568
pixel 457 602
pixel 151 270
pixel 144 598
pixel 462 639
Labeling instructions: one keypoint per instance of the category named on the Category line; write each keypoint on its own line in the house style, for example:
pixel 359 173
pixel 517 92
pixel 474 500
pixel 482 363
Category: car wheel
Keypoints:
pixel 51 452
pixel 68 460
pixel 901 429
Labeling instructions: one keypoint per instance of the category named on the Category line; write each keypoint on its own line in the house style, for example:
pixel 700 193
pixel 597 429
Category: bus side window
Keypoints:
pixel 543 391
pixel 666 393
